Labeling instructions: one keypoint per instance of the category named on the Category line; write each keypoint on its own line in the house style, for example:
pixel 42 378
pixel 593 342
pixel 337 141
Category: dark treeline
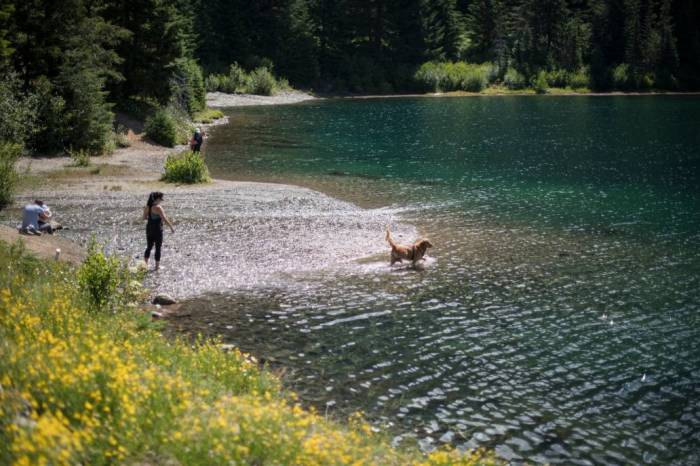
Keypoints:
pixel 66 66
pixel 377 45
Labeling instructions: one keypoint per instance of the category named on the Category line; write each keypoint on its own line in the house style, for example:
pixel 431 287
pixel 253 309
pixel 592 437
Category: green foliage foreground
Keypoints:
pixel 82 386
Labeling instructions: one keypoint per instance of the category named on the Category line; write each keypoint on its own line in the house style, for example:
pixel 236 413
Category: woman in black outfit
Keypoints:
pixel 154 213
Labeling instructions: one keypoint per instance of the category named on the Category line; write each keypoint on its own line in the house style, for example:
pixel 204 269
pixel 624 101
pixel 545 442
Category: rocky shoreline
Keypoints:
pixel 229 235
pixel 220 99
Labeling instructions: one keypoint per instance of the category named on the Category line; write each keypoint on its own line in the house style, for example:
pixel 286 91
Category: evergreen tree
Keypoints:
pixel 159 35
pixel 442 28
pixel 65 52
pixel 6 10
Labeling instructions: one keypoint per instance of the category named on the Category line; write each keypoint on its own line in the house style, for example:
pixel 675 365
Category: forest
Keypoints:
pixel 66 67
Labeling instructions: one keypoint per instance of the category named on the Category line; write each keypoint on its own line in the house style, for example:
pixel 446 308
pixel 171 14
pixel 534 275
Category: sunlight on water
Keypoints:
pixel 556 320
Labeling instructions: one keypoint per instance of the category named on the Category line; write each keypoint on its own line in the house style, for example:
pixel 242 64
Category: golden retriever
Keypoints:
pixel 413 252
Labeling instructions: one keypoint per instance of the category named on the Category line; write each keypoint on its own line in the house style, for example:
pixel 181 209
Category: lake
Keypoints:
pixel 557 318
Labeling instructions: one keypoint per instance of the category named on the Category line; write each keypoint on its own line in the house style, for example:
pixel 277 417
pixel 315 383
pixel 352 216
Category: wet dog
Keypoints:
pixel 413 252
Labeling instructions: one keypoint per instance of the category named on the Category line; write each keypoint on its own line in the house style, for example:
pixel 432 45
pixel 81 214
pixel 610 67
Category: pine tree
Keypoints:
pixel 159 35
pixel 64 53
pixel 442 28
pixel 6 50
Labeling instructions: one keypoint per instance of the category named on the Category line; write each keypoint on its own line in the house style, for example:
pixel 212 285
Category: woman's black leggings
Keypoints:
pixel 153 238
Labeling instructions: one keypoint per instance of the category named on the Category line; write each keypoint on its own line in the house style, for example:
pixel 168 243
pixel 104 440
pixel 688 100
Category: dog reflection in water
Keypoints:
pixel 412 252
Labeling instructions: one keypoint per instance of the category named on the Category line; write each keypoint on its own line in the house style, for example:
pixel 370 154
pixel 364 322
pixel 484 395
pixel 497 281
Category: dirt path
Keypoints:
pixel 45 246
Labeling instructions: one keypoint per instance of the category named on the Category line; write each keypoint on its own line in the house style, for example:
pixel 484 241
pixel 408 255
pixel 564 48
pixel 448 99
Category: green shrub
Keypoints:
pixel 429 76
pixel 621 77
pixel 539 83
pixel 80 157
pixel 9 153
pixel 162 128
pixel 261 82
pixel 580 79
pixel 513 79
pixel 235 81
pixel 186 167
pixel 448 76
pixel 557 78
pixel 475 78
pixel 121 137
pixel 98 277
pixel 238 78
pixel 647 81
pixel 213 82
pixel 107 282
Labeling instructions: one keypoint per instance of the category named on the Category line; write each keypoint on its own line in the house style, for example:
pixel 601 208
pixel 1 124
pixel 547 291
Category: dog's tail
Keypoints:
pixel 388 237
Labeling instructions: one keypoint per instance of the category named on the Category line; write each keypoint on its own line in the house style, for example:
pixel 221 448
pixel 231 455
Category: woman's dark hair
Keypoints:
pixel 153 197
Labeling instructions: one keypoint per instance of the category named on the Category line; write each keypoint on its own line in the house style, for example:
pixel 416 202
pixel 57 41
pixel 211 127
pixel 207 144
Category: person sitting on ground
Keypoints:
pixel 35 219
pixel 197 140
pixel 47 215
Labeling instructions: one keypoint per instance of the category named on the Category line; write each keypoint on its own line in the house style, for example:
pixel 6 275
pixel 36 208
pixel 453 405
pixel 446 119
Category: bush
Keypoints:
pixel 621 77
pixel 213 82
pixel 647 81
pixel 557 78
pixel 540 83
pixel 459 76
pixel 235 81
pixel 186 167
pixel 98 277
pixel 238 78
pixel 9 153
pixel 429 76
pixel 80 157
pixel 475 78
pixel 580 79
pixel 107 282
pixel 162 128
pixel 121 137
pixel 513 79
pixel 261 82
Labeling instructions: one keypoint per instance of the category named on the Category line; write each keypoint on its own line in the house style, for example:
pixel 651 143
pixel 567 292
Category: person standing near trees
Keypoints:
pixel 197 140
pixel 155 215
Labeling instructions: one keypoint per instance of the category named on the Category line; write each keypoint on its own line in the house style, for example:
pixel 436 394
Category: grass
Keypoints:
pixel 102 169
pixel 80 386
pixel 207 115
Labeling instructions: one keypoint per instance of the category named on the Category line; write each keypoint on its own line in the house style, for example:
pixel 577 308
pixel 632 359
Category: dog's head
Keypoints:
pixel 424 244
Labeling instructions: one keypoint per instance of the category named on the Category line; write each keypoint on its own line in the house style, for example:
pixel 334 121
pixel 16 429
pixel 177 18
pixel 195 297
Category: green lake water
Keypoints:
pixel 557 319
